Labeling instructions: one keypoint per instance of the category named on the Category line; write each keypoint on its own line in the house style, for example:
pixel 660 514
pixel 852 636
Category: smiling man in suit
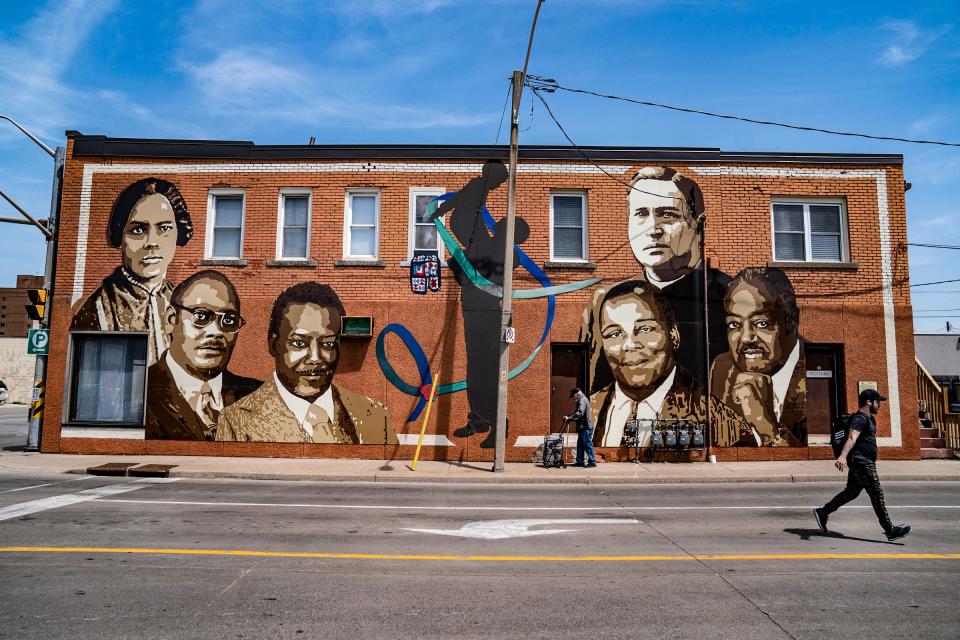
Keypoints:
pixel 301 403
pixel 189 385
pixel 762 377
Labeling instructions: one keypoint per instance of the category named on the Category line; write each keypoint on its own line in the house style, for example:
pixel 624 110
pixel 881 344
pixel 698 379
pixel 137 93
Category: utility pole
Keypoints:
pixel 49 230
pixel 506 320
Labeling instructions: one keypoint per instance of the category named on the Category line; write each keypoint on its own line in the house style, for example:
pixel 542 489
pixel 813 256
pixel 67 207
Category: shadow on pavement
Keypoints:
pixel 807 534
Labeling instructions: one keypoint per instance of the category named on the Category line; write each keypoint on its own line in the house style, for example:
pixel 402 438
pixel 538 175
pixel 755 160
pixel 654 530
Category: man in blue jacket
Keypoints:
pixel 584 419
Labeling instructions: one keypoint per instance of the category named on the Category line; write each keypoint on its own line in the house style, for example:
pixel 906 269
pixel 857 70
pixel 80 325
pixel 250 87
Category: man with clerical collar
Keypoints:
pixel 639 343
pixel 301 403
pixel 149 220
pixel 189 385
pixel 762 377
pixel 665 216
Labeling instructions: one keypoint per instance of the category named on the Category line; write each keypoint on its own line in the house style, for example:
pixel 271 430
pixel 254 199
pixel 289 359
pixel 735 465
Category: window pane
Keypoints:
pixel 295 211
pixel 109 379
pixel 568 211
pixel 362 241
pixel 364 210
pixel 425 237
pixel 226 243
pixel 824 218
pixel 789 246
pixel 825 247
pixel 788 217
pixel 568 243
pixel 229 211
pixel 423 212
pixel 295 243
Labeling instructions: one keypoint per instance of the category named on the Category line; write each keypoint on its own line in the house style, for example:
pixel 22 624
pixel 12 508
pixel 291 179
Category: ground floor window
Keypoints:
pixel 109 373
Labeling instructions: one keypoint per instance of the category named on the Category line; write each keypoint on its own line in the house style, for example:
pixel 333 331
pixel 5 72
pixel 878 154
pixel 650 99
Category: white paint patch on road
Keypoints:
pixel 503 529
pixel 34 506
pixel 48 484
pixel 394 507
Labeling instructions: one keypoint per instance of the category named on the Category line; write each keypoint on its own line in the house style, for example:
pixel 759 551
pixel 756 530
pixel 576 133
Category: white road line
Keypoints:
pixel 33 506
pixel 488 508
pixel 49 484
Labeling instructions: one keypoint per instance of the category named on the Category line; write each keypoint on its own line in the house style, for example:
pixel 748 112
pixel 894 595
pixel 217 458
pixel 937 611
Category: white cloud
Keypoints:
pixel 909 42
pixel 260 85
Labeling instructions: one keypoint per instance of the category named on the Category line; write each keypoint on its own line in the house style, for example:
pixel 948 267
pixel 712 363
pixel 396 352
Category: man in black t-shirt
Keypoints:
pixel 860 455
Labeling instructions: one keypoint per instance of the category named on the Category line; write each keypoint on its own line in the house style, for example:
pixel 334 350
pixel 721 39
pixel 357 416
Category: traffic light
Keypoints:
pixel 38 303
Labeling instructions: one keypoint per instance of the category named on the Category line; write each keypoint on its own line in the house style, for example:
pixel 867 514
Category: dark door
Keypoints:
pixel 568 369
pixel 825 391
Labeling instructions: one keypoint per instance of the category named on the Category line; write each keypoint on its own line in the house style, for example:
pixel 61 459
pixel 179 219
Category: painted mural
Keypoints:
pixel 674 340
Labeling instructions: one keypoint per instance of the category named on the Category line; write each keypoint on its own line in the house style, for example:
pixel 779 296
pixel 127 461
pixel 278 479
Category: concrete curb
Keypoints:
pixel 510 479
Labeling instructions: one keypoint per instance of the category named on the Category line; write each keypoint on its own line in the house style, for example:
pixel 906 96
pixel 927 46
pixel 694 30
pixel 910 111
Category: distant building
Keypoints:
pixel 14 322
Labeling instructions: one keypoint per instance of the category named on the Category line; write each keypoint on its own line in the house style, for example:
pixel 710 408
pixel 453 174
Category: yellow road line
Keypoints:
pixel 479 558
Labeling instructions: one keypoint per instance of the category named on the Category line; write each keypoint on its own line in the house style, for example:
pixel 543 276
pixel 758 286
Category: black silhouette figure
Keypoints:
pixel 481 310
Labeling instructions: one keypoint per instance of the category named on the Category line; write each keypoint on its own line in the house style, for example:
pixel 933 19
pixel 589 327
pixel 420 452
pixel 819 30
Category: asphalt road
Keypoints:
pixel 347 564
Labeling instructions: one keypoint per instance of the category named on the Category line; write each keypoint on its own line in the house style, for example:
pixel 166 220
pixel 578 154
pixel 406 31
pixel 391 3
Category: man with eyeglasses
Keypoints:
pixel 189 385
pixel 301 403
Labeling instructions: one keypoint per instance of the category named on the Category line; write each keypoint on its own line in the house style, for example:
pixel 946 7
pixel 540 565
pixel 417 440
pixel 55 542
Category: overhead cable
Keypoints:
pixel 551 84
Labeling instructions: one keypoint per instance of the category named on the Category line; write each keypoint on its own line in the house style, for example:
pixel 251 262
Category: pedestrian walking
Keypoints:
pixel 583 417
pixel 859 454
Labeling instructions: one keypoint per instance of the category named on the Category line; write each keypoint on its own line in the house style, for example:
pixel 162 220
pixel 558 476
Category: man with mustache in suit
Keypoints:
pixel 301 403
pixel 189 385
pixel 762 377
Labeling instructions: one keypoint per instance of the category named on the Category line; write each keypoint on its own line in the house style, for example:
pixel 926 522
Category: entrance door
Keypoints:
pixel 568 369
pixel 825 392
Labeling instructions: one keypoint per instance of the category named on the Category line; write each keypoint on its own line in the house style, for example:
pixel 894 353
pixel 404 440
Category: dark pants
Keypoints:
pixel 585 445
pixel 862 476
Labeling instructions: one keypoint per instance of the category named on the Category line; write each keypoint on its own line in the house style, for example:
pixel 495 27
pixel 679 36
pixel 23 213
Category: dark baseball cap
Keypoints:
pixel 870 394
pixel 574 391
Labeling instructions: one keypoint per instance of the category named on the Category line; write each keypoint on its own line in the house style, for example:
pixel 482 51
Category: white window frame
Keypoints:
pixel 585 217
pixel 806 201
pixel 281 217
pixel 212 195
pixel 347 220
pixel 412 220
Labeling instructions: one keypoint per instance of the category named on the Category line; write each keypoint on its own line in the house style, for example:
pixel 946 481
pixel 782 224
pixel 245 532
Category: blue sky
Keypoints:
pixel 435 71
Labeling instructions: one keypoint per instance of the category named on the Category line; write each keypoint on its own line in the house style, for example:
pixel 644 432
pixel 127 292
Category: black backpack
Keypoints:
pixel 839 431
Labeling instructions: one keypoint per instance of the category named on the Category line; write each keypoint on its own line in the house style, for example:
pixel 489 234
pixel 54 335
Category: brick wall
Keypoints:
pixel 837 305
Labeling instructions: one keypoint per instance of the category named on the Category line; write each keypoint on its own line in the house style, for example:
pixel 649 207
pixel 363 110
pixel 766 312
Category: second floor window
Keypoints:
pixel 361 233
pixel 424 237
pixel 226 228
pixel 569 226
pixel 809 230
pixel 293 237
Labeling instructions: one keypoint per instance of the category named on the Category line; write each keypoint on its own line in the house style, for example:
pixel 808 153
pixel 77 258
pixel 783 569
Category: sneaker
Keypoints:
pixel 578 464
pixel 898 532
pixel 591 465
pixel 821 519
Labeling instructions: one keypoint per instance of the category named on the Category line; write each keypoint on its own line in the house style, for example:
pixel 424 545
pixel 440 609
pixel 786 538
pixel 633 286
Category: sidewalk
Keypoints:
pixel 12 462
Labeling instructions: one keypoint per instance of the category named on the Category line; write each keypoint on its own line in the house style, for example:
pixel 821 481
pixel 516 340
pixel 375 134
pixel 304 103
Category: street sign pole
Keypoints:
pixel 40 368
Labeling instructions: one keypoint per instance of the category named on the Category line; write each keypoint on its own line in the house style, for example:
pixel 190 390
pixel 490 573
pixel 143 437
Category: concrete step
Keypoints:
pixel 933 443
pixel 929 432
pixel 931 453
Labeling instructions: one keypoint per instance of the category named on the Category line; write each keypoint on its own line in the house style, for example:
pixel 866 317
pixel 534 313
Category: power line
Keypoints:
pixel 502 113
pixel 549 83
pixel 924 284
pixel 932 246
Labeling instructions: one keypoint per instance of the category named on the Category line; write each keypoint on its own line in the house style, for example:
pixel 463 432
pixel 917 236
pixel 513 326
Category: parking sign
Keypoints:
pixel 38 342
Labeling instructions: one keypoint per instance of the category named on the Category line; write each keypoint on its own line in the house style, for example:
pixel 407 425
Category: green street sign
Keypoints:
pixel 38 342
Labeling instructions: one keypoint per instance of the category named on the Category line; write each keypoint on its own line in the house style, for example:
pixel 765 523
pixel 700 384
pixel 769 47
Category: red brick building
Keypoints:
pixel 14 322
pixel 267 217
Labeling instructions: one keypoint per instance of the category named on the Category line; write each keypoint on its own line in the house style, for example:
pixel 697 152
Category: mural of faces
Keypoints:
pixel 149 238
pixel 756 329
pixel 637 341
pixel 203 325
pixel 306 349
pixel 661 228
